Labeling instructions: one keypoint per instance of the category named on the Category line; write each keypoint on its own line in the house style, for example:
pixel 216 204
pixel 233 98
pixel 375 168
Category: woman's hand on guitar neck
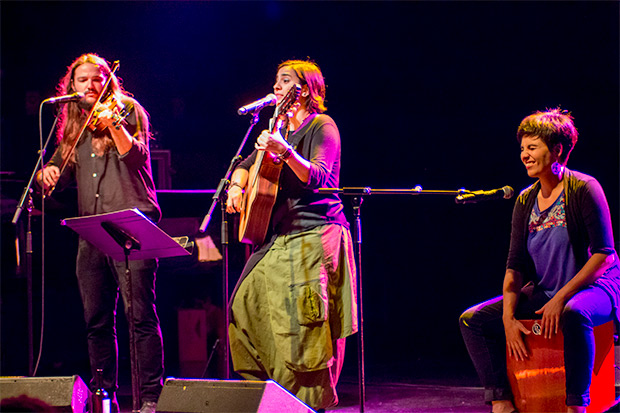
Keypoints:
pixel 271 142
pixel 275 143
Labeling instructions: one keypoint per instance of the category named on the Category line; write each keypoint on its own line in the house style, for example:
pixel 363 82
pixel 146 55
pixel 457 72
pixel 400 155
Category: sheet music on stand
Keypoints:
pixel 154 242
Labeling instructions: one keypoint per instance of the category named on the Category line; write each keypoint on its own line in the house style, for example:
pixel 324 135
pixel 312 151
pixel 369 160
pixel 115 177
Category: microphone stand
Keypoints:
pixel 42 150
pixel 26 202
pixel 220 196
pixel 357 196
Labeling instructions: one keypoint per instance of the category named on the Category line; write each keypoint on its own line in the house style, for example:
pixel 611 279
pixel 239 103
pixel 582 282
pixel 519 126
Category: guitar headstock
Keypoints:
pixel 287 103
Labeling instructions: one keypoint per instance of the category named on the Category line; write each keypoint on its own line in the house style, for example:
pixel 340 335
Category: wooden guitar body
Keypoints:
pixel 260 196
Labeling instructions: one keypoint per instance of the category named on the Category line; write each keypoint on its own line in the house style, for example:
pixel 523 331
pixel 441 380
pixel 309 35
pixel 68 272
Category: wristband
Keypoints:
pixel 287 153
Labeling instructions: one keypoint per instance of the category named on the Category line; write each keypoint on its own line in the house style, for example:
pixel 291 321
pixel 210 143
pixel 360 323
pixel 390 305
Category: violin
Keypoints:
pixel 113 104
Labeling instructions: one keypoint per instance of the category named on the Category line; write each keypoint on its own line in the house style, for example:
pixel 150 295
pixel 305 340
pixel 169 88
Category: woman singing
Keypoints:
pixel 295 302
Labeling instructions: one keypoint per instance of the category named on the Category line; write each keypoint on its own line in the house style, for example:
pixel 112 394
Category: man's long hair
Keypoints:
pixel 73 115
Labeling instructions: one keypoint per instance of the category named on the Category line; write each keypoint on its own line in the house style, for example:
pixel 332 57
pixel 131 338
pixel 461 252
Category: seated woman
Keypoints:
pixel 562 267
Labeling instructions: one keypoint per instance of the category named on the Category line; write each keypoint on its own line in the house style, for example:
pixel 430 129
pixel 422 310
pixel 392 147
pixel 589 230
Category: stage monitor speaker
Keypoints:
pixel 65 394
pixel 203 396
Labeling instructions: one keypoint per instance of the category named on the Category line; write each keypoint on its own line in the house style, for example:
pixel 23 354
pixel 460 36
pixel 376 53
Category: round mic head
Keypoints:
pixel 508 192
pixel 271 99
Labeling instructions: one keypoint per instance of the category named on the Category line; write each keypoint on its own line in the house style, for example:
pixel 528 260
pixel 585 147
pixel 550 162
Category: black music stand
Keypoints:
pixel 128 235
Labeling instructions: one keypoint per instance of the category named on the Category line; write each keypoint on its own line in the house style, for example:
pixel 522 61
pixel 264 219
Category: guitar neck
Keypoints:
pixel 275 124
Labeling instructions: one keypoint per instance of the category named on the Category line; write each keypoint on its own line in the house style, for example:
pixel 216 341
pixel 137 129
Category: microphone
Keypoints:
pixel 478 196
pixel 268 100
pixel 65 98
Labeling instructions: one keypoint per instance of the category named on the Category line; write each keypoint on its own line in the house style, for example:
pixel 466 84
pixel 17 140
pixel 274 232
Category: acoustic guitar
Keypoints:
pixel 262 188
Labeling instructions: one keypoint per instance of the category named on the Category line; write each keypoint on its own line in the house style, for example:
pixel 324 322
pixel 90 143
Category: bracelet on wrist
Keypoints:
pixel 233 183
pixel 286 154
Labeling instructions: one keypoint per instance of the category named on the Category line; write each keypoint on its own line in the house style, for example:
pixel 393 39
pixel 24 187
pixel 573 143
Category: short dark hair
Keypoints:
pixel 553 126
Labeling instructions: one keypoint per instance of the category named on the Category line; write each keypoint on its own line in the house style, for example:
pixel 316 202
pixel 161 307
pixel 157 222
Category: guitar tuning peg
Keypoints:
pixel 291 112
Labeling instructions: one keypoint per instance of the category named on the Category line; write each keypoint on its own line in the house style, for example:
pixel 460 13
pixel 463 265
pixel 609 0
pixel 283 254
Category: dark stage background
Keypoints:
pixel 424 93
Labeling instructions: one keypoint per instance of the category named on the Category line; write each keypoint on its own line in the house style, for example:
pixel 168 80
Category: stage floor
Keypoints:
pixel 386 397
pixel 404 397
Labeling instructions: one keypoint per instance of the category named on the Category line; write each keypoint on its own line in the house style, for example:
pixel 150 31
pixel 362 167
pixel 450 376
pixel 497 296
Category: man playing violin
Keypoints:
pixel 295 301
pixel 112 168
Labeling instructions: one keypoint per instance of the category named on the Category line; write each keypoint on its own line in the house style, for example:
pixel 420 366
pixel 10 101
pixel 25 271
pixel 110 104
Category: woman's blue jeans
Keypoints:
pixel 483 332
